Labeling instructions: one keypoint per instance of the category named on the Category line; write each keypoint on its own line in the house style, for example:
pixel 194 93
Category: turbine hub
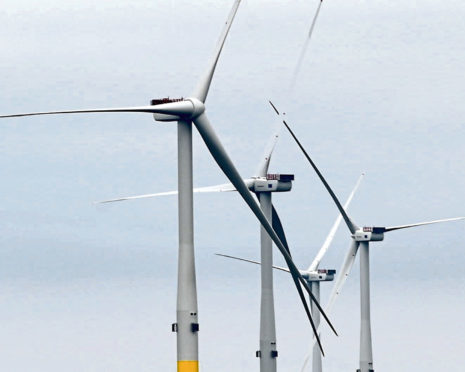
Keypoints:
pixel 199 106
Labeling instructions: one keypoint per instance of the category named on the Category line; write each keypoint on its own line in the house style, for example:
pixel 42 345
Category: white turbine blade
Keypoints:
pixel 217 188
pixel 226 187
pixel 307 359
pixel 145 196
pixel 174 108
pixel 421 224
pixel 344 272
pixel 223 160
pixel 202 89
pixel 262 168
pixel 332 233
pixel 85 111
pixel 350 224
pixel 251 261
pixel 305 47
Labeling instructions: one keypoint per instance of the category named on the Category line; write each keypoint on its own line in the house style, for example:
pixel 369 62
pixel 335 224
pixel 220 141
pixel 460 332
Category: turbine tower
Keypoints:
pixel 361 237
pixel 316 275
pixel 263 185
pixel 186 111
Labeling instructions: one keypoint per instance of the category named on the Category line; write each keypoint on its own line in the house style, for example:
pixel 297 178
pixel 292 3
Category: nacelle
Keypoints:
pixel 165 117
pixel 273 183
pixel 320 275
pixel 369 234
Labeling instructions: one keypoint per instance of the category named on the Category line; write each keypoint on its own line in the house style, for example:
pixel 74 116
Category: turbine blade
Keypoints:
pixel 305 47
pixel 387 229
pixel 352 227
pixel 307 310
pixel 344 272
pixel 251 261
pixel 262 168
pixel 174 108
pixel 278 227
pixel 225 187
pixel 138 197
pixel 85 111
pixel 329 239
pixel 207 189
pixel 307 359
pixel 222 159
pixel 204 85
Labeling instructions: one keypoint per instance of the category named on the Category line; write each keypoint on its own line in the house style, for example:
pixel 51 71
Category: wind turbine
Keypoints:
pixel 263 185
pixel 186 111
pixel 314 275
pixel 361 237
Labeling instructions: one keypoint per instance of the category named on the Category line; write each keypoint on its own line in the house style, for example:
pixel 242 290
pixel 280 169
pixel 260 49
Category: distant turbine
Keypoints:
pixel 313 275
pixel 186 111
pixel 360 237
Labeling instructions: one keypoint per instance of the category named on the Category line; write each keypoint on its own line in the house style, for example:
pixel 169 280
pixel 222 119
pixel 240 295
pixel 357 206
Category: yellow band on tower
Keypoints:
pixel 188 366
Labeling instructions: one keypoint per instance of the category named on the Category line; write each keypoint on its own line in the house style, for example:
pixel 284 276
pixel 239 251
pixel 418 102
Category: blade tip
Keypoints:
pixel 274 107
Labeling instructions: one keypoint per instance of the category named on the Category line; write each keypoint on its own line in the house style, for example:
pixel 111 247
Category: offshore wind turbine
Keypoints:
pixel 314 275
pixel 188 111
pixel 263 185
pixel 263 188
pixel 361 237
pixel 324 275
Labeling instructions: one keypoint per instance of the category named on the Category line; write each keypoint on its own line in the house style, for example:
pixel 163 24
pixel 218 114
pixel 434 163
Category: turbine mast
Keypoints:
pixel 317 364
pixel 366 351
pixel 187 325
pixel 267 352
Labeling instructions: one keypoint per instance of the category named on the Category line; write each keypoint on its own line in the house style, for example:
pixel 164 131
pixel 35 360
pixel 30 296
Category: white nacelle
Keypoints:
pixel 320 275
pixel 165 117
pixel 272 183
pixel 264 185
pixel 188 108
pixel 368 235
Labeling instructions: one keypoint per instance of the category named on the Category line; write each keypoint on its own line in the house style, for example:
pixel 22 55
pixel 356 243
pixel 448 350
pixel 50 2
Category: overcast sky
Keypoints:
pixel 87 287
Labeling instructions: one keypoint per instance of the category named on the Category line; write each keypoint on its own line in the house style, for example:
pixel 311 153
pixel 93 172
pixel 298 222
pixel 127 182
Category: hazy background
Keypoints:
pixel 92 288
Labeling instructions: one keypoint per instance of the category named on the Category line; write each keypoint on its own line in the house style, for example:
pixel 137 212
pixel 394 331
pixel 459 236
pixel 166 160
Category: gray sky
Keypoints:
pixel 93 288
